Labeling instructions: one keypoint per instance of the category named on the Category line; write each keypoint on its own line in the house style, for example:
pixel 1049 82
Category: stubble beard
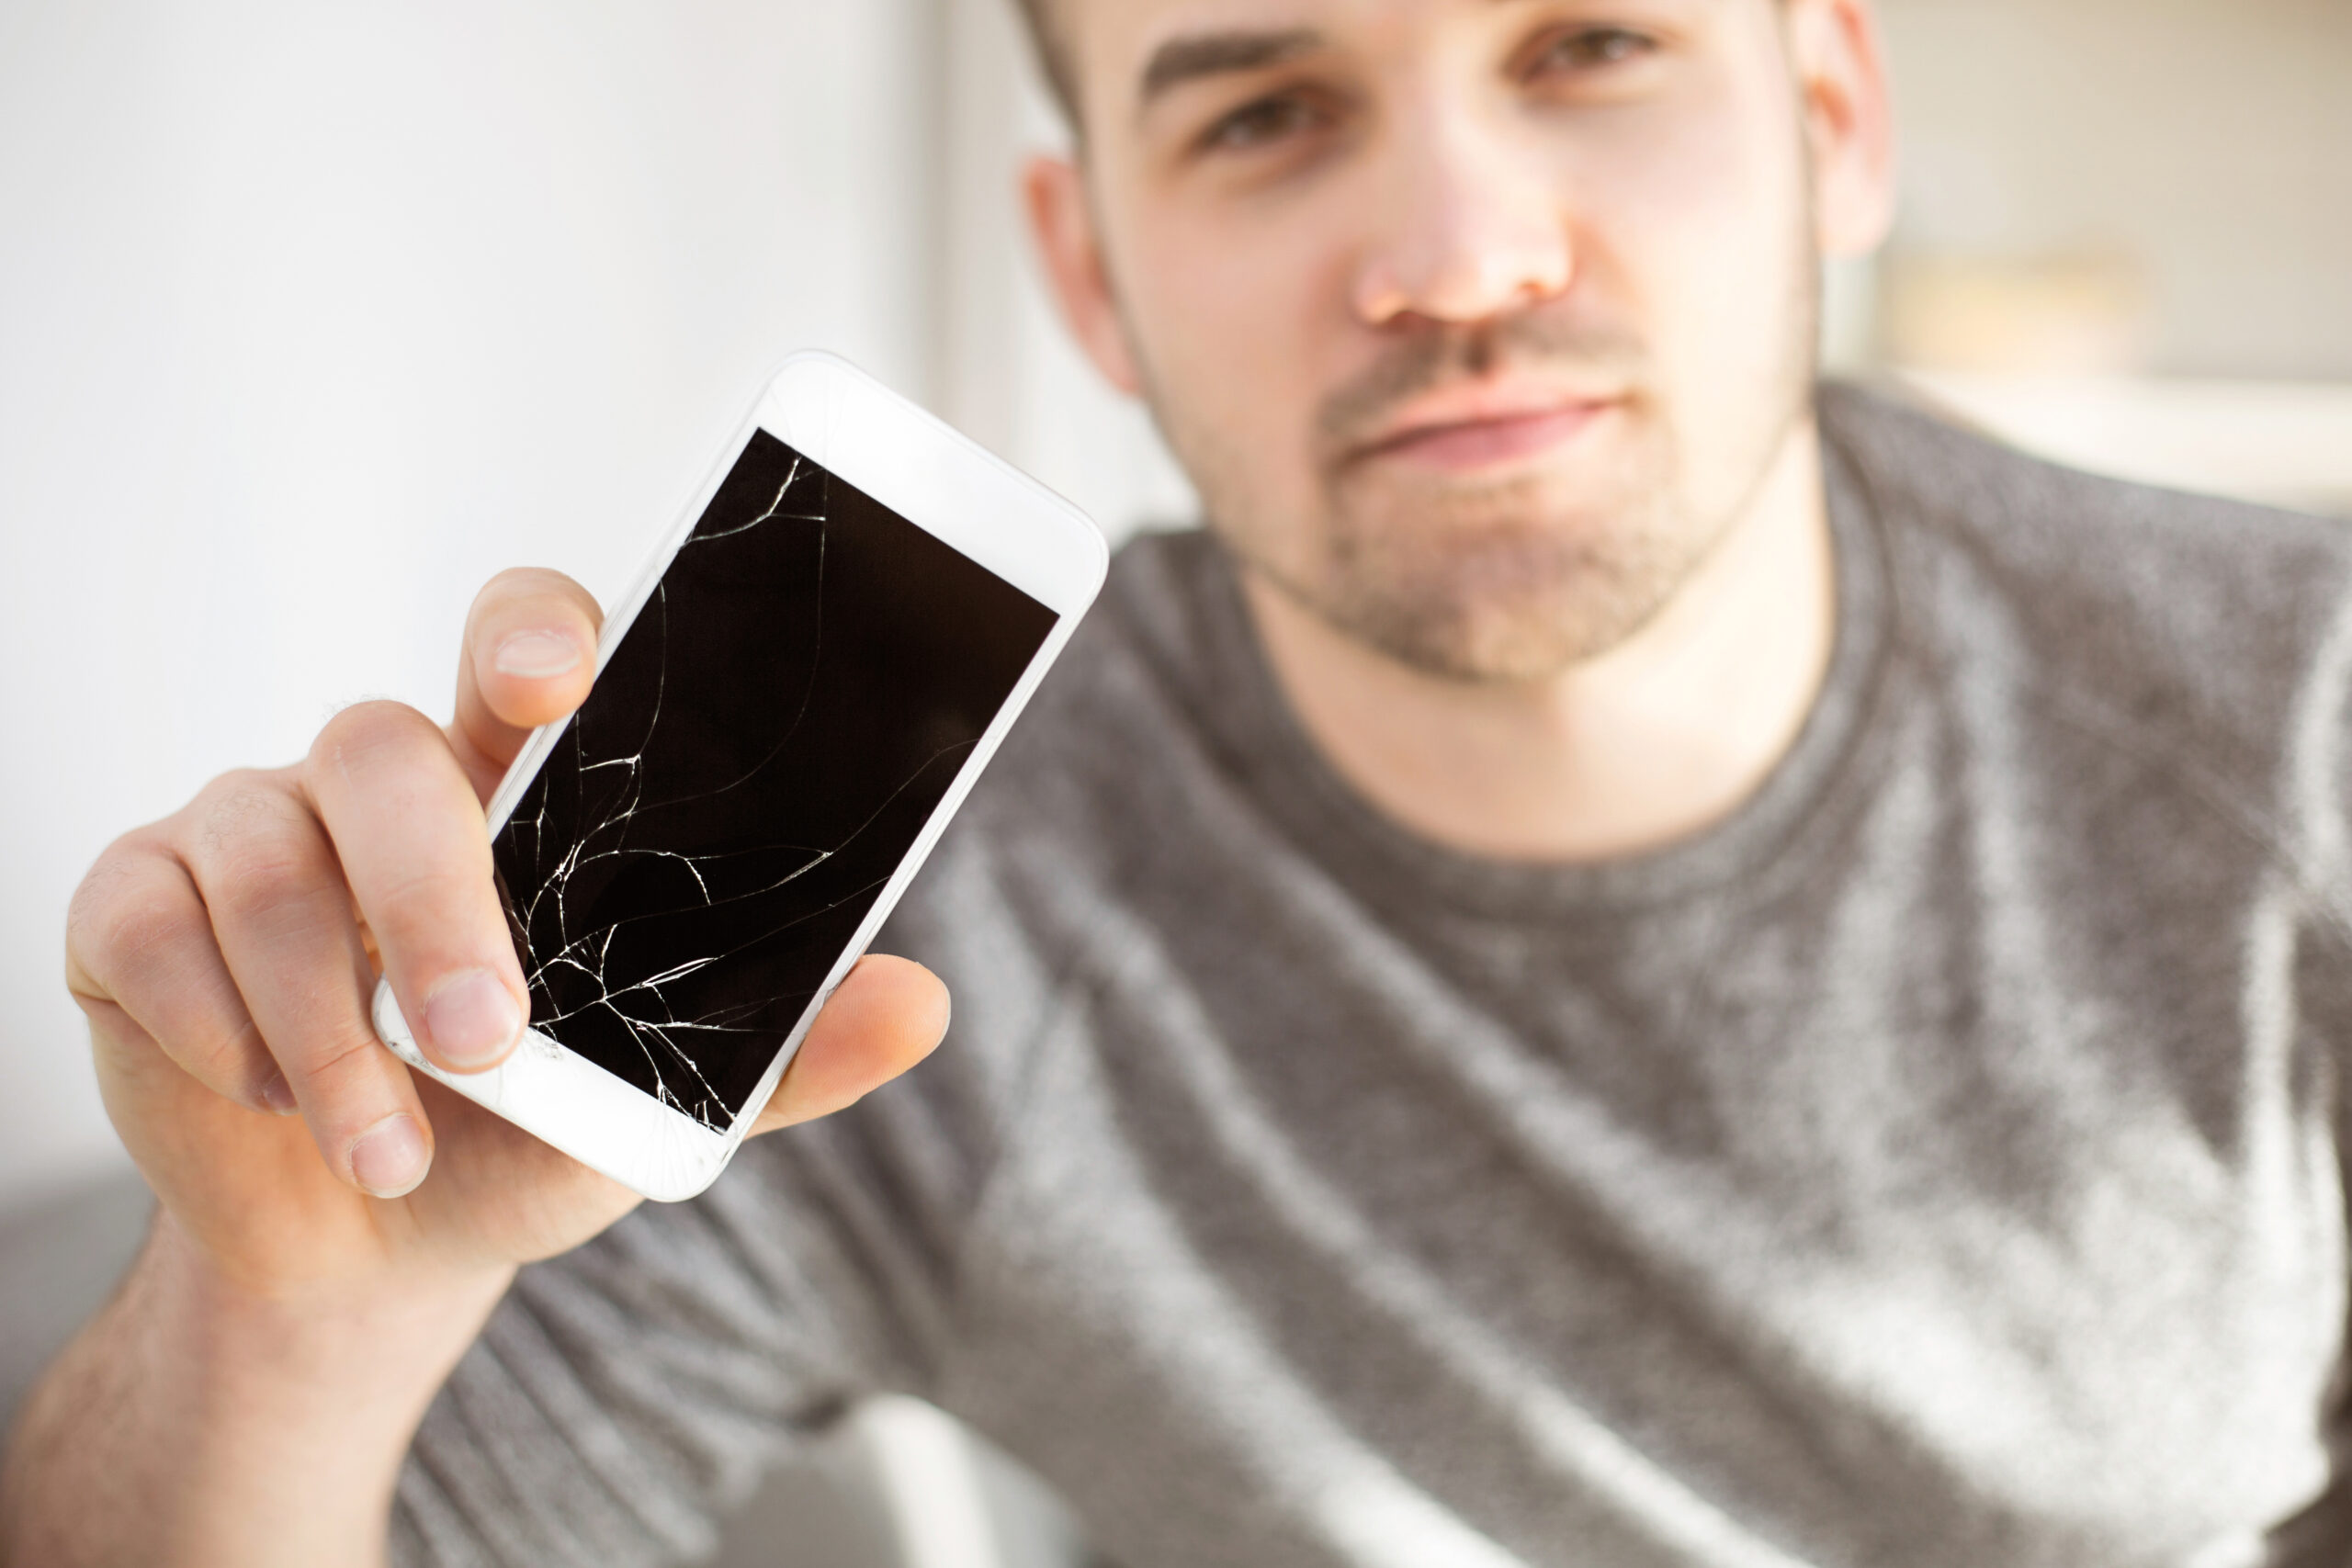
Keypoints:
pixel 1505 580
pixel 1518 579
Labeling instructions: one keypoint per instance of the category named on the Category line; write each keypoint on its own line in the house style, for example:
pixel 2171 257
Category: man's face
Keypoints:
pixel 1475 321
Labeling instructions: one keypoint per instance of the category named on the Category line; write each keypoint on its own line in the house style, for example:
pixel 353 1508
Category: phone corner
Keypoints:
pixel 680 1189
pixel 688 1173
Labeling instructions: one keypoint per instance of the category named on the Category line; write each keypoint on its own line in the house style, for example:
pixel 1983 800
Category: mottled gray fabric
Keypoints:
pixel 1935 1164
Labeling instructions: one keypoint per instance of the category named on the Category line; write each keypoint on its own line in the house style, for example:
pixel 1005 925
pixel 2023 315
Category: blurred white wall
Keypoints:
pixel 1008 373
pixel 313 317
pixel 2207 144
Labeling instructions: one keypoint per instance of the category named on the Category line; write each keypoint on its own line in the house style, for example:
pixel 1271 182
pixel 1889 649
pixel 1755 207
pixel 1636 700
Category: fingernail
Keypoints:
pixel 388 1160
pixel 470 1020
pixel 278 1095
pixel 536 656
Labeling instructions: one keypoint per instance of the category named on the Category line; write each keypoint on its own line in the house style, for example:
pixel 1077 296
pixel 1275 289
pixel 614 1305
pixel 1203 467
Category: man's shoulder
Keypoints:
pixel 1926 469
pixel 2203 615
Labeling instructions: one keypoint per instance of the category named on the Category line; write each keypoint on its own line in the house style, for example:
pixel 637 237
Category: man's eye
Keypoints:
pixel 1261 123
pixel 1593 49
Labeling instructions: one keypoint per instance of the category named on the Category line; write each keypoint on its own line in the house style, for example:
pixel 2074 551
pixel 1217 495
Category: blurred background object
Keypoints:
pixel 2196 146
pixel 2086 314
pixel 2126 237
pixel 311 317
pixel 2280 442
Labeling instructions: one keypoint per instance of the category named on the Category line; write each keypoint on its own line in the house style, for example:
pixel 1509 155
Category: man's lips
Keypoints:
pixel 1484 433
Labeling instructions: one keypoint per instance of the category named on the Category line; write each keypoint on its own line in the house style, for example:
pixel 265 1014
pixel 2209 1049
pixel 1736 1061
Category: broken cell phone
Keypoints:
pixel 789 706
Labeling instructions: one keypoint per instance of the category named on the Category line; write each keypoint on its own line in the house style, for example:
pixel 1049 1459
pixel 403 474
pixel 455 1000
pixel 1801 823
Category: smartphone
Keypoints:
pixel 795 696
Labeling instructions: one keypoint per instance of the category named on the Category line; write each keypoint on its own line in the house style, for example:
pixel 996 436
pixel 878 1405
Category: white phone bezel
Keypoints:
pixel 943 483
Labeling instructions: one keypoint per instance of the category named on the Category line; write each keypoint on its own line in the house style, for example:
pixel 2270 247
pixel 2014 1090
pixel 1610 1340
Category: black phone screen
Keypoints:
pixel 758 753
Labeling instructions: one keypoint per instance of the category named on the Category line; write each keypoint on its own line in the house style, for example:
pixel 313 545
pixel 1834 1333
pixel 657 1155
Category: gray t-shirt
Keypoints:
pixel 1935 1164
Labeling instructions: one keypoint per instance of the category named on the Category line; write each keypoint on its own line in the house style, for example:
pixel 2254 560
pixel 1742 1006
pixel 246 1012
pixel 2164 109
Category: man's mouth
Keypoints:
pixel 1472 428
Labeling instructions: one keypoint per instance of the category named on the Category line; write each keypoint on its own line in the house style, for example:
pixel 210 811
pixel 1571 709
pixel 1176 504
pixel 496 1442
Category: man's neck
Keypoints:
pixel 1660 739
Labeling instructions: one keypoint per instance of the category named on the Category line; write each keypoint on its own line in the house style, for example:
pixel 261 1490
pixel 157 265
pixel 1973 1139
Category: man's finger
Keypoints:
pixel 409 832
pixel 282 918
pixel 530 654
pixel 139 936
pixel 881 1021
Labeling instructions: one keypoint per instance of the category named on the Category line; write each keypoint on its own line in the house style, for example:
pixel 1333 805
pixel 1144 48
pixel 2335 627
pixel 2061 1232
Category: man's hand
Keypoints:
pixel 226 957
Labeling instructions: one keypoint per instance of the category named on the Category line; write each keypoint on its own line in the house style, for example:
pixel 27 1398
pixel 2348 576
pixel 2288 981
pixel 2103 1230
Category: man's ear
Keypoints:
pixel 1068 243
pixel 1850 121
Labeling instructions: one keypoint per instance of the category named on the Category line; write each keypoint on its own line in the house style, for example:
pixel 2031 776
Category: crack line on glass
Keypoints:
pixel 612 793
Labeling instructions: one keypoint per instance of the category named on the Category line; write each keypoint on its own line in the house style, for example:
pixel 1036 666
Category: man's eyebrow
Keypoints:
pixel 1196 55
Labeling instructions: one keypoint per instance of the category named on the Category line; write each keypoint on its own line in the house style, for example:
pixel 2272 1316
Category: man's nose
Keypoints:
pixel 1469 228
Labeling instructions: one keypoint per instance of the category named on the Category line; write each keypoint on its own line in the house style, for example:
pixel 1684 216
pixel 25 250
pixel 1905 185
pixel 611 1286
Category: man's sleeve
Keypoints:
pixel 626 1395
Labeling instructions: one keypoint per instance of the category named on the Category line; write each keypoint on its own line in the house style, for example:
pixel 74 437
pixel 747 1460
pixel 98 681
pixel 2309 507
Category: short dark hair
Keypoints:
pixel 1053 54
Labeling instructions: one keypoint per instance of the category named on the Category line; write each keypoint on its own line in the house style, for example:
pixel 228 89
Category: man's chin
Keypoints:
pixel 1507 613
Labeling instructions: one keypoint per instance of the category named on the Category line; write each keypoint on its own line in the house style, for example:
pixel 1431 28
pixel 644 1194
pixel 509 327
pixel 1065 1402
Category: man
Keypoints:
pixel 1625 965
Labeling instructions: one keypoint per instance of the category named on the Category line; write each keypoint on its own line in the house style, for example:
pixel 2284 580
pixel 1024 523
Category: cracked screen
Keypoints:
pixel 760 753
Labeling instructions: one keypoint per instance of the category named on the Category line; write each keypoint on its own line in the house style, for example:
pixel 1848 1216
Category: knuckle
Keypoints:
pixel 126 930
pixel 239 808
pixel 365 750
pixel 259 851
pixel 335 1052
pixel 256 882
pixel 110 877
pixel 347 1083
pixel 442 902
pixel 364 728
pixel 248 787
pixel 231 1055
